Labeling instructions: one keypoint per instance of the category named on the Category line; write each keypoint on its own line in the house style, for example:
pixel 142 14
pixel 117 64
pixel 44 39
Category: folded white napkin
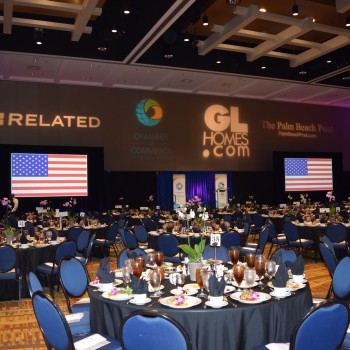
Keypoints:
pixel 278 346
pixel 92 342
pixel 71 318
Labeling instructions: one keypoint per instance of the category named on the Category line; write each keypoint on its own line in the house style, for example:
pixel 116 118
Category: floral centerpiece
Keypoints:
pixel 331 200
pixel 70 208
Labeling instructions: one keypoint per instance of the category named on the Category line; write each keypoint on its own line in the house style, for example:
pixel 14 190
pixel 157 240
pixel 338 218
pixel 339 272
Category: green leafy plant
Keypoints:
pixel 194 253
pixel 8 229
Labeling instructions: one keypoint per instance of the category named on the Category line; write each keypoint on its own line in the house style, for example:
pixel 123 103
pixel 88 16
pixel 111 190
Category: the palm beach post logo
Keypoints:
pixel 179 186
pixel 149 112
pixel 227 137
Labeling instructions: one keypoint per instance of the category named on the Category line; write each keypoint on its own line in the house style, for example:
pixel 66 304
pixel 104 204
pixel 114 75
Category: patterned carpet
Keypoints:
pixel 19 330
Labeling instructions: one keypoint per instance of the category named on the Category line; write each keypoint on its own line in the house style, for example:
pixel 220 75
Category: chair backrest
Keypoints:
pixel 168 244
pixel 328 257
pixel 128 239
pixel 218 253
pixel 73 233
pixel 52 322
pixel 263 237
pixel 336 233
pixel 124 255
pixel 328 243
pixel 290 231
pixel 231 239
pixel 150 329
pixel 141 233
pixel 258 220
pixel 8 258
pixel 33 283
pixel 112 232
pixel 83 240
pixel 73 278
pixel 227 218
pixel 322 328
pixel 90 245
pixel 66 248
pixel 341 279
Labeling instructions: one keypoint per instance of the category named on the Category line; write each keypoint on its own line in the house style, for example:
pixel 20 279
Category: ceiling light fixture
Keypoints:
pixel 347 23
pixel 233 2
pixel 38 36
pixel 295 9
pixel 218 61
pixel 205 20
pixel 262 9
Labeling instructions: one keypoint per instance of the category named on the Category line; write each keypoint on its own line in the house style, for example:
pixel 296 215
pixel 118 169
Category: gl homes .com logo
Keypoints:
pixel 149 112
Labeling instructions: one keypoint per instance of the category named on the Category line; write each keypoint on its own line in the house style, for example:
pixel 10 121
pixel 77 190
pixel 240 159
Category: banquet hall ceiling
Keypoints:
pixel 241 53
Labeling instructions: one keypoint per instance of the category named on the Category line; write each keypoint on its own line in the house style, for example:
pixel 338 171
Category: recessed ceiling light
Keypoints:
pixel 262 9
pixel 126 12
pixel 218 61
pixel 346 78
pixel 302 72
pixel 263 67
pixel 187 39
pixel 329 61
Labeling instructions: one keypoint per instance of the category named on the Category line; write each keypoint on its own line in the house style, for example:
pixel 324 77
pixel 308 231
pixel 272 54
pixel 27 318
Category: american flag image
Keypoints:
pixel 50 175
pixel 308 174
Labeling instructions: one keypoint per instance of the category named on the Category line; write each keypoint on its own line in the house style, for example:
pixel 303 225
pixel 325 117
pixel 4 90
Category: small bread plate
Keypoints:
pixel 292 286
pixel 224 303
pixel 288 294
pixel 132 301
pixel 185 291
pixel 260 298
pixel 229 289
pixel 172 302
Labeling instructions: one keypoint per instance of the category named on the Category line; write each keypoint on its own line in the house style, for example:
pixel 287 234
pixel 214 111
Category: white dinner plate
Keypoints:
pixel 294 288
pixel 288 294
pixel 190 301
pixel 132 301
pixel 117 297
pixel 229 289
pixel 186 291
pixel 98 285
pixel 224 303
pixel 262 297
pixel 244 284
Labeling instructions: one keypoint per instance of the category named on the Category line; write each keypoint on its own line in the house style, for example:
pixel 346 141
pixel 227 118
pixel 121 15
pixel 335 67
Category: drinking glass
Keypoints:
pixel 137 268
pixel 249 276
pixel 200 274
pixel 238 274
pixel 260 267
pixel 129 262
pixel 205 280
pixel 49 235
pixel 162 275
pixel 126 272
pixel 159 258
pixel 270 267
pixel 250 260
pixel 233 254
pixel 141 260
pixel 151 259
pixel 155 280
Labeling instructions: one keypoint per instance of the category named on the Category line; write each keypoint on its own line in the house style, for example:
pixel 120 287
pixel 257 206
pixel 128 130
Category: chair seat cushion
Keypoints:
pixel 340 245
pixel 82 326
pixel 302 243
pixel 10 275
pixel 46 268
pixel 81 307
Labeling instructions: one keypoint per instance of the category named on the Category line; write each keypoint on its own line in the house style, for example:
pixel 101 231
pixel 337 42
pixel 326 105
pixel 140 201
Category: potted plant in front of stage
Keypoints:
pixel 9 232
pixel 194 255
pixel 331 199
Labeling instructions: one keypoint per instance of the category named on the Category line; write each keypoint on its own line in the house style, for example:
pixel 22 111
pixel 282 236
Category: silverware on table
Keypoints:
pixel 153 302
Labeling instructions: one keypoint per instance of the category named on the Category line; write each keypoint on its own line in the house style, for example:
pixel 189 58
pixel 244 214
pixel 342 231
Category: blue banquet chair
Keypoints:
pixel 111 240
pixel 257 248
pixel 341 280
pixel 323 327
pixel 8 267
pixel 257 225
pixel 330 261
pixel 218 253
pixel 287 255
pixel 49 270
pixel 84 258
pixel 129 239
pixel 74 281
pixel 55 329
pixel 169 245
pixel 74 232
pixel 141 236
pixel 231 239
pixel 124 254
pixel 33 283
pixel 338 236
pixel 150 329
pixel 82 241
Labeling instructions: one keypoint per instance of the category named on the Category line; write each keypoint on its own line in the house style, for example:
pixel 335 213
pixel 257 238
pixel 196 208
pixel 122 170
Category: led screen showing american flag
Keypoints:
pixel 308 174
pixel 50 175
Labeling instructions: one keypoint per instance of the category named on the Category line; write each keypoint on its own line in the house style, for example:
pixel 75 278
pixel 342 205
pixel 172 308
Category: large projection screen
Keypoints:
pixel 49 175
pixel 308 174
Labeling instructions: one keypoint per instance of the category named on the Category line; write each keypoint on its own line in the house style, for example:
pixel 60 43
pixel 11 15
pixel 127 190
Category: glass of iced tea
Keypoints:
pixel 233 254
pixel 238 275
pixel 250 260
pixel 159 256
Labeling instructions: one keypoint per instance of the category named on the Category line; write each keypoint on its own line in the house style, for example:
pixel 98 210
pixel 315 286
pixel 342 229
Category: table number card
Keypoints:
pixel 21 223
pixel 215 240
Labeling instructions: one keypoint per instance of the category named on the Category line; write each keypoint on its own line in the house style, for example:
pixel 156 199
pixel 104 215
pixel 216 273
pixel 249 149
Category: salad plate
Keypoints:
pixel 180 302
pixel 250 297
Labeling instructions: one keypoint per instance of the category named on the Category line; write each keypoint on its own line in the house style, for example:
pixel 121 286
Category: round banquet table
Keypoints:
pixel 227 328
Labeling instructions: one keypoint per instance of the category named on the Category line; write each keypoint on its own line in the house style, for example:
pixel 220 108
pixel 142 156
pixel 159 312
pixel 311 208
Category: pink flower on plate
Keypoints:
pixel 114 291
pixel 179 300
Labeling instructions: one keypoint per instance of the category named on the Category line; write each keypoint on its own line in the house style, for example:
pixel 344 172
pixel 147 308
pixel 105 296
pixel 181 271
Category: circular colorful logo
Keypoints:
pixel 179 186
pixel 221 186
pixel 149 112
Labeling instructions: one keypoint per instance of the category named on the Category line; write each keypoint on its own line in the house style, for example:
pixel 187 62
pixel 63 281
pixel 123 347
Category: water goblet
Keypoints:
pixel 200 282
pixel 159 258
pixel 260 267
pixel 233 254
pixel 151 259
pixel 129 262
pixel 249 276
pixel 238 274
pixel 162 275
pixel 155 280
pixel 205 280
pixel 270 267
pixel 126 272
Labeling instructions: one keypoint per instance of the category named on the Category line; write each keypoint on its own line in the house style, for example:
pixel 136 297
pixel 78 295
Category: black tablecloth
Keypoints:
pixel 228 328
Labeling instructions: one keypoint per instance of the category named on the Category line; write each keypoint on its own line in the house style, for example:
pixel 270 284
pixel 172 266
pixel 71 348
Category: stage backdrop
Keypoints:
pixel 160 131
